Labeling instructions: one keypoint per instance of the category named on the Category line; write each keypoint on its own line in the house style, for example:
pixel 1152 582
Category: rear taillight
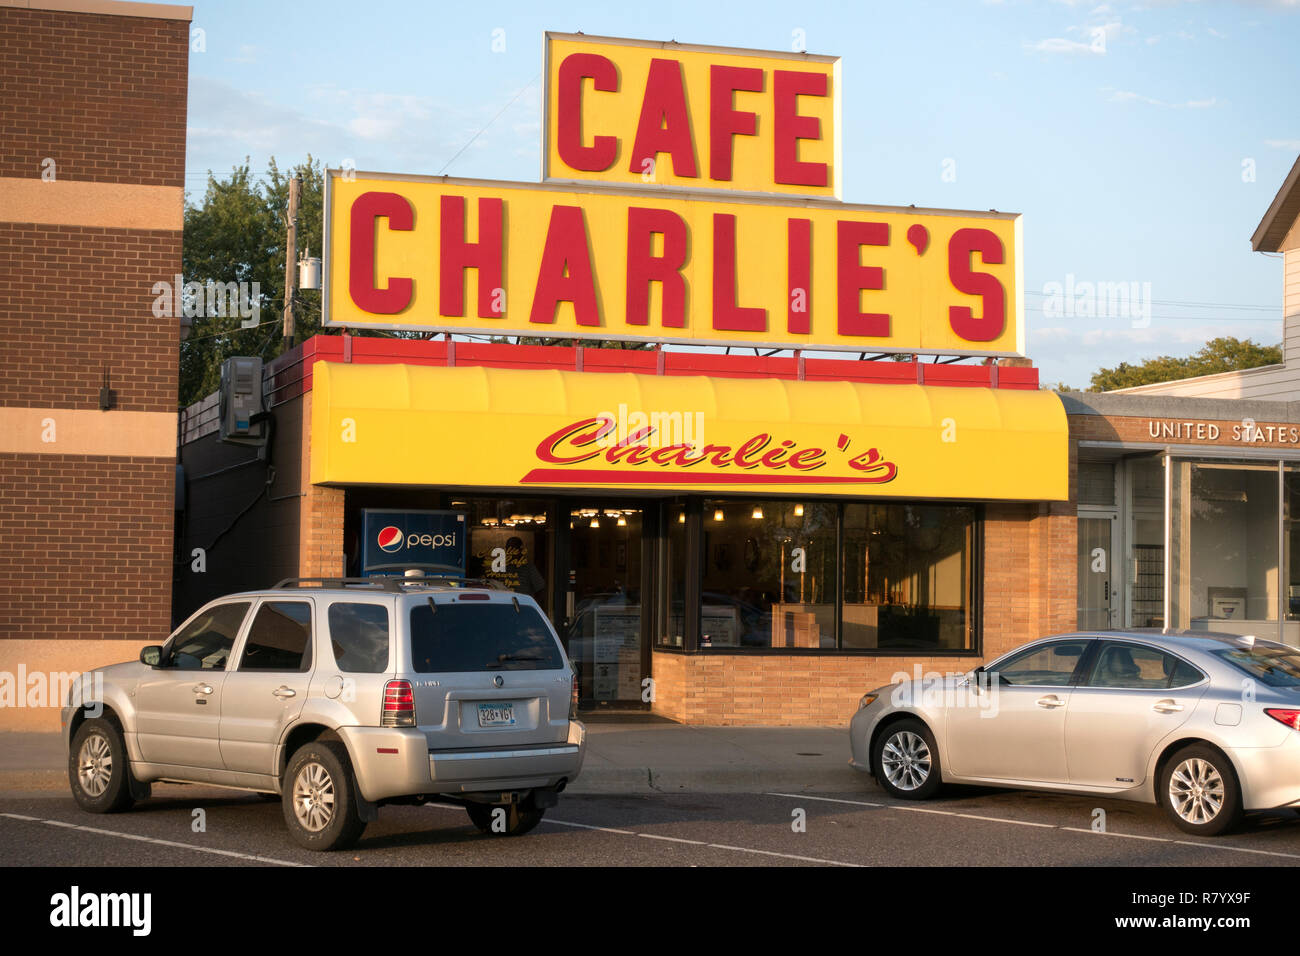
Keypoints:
pixel 573 699
pixel 399 704
pixel 1289 717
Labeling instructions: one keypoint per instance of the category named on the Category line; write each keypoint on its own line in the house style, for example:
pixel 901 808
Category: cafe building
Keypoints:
pixel 823 462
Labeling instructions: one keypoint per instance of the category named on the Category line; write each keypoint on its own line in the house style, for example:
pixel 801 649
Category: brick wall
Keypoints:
pixel 77 300
pixel 88 547
pixel 104 96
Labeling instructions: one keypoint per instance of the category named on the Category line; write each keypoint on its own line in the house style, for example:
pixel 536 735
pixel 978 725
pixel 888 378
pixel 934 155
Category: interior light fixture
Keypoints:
pixel 758 513
pixel 595 523
pixel 717 515
pixel 798 511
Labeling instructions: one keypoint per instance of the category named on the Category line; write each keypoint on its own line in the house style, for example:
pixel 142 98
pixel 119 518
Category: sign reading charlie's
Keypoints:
pixel 671 114
pixel 633 259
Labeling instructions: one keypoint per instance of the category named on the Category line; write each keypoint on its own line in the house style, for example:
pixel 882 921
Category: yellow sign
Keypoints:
pixel 410 252
pixel 676 115
pixel 495 428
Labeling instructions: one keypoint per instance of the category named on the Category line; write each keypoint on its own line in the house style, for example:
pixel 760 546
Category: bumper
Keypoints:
pixel 1269 776
pixel 396 763
pixel 860 727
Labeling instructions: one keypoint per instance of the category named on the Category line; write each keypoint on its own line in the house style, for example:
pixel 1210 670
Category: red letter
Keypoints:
pixel 853 277
pixel 724 119
pixel 664 103
pixel 960 317
pixel 644 268
pixel 367 209
pixel 726 314
pixel 457 255
pixel 798 266
pixel 565 274
pixel 603 150
pixel 788 127
pixel 548 446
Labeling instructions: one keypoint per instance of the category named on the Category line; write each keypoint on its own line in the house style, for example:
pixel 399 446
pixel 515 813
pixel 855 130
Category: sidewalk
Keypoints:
pixel 622 757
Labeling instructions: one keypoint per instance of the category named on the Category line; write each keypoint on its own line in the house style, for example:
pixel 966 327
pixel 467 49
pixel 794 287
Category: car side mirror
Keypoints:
pixel 151 655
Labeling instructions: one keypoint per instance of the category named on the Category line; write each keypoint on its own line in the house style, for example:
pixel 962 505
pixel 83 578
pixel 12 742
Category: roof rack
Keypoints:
pixel 391 583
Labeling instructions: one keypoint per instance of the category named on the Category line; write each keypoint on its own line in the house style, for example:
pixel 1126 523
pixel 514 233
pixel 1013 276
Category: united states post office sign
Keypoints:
pixel 621 262
pixel 679 115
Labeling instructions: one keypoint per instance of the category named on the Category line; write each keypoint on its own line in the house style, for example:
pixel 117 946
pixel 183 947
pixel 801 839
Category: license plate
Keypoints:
pixel 496 715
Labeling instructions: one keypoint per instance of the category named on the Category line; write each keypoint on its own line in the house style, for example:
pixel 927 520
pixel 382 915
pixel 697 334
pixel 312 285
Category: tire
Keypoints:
pixel 98 768
pixel 906 761
pixel 1199 791
pixel 320 803
pixel 518 819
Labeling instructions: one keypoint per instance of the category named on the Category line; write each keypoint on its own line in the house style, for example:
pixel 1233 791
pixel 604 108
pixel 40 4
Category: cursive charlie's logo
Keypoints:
pixel 570 452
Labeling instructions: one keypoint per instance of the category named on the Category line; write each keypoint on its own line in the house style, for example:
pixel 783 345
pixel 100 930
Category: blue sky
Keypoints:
pixel 1142 142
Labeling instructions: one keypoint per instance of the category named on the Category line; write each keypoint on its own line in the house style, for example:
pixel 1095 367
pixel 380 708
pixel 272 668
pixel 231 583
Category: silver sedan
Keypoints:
pixel 1207 725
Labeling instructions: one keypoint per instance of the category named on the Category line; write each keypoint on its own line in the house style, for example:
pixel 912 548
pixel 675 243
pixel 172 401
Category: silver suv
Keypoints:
pixel 339 696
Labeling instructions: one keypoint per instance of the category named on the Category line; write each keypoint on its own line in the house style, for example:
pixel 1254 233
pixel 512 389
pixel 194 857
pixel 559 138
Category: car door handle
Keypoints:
pixel 283 691
pixel 203 688
pixel 1166 707
pixel 1050 701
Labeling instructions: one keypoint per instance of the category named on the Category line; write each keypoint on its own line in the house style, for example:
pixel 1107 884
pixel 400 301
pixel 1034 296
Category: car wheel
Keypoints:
pixel 1199 791
pixel 906 761
pixel 320 805
pixel 98 768
pixel 513 820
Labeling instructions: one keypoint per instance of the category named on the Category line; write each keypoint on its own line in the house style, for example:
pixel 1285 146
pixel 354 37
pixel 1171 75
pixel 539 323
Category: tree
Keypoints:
pixel 237 235
pixel 1224 354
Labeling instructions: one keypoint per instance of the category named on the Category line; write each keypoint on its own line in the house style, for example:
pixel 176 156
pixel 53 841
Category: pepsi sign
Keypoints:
pixel 395 541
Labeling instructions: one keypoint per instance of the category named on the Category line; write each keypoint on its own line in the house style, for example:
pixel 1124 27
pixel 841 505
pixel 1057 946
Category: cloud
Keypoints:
pixel 1093 37
pixel 1128 96
pixel 1291 144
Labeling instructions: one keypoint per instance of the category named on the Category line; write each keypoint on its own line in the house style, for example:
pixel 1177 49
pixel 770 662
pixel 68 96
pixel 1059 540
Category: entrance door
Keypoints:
pixel 603 605
pixel 1098 602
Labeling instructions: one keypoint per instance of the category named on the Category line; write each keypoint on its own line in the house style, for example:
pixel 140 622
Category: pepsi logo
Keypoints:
pixel 390 539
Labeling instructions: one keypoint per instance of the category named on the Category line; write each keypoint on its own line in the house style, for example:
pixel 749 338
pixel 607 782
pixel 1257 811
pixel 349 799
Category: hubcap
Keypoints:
pixel 906 760
pixel 95 764
pixel 1196 791
pixel 313 797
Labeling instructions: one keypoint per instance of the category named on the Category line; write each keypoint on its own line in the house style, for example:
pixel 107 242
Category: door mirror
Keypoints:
pixel 151 655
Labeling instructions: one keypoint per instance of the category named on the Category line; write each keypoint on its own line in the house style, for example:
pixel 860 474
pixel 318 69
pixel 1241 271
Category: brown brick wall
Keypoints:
pixel 87 547
pixel 76 299
pixel 103 96
pixel 1132 429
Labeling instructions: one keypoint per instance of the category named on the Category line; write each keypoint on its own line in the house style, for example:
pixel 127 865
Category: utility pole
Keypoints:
pixel 291 260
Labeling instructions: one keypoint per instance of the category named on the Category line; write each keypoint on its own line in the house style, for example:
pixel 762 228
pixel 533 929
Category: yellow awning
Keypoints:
pixel 538 429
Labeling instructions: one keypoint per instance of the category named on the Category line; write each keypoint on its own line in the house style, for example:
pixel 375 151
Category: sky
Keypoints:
pixel 1141 142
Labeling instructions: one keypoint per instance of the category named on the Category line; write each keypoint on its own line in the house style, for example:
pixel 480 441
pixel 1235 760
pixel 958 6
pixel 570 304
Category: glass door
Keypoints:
pixel 603 605
pixel 1098 602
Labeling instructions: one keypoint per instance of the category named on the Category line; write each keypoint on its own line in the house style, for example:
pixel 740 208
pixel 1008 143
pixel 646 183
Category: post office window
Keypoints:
pixel 279 638
pixel 1047 665
pixel 206 642
pixel 359 637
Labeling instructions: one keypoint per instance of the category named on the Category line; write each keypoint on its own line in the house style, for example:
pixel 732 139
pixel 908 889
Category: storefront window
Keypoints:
pixel 907 576
pixel 673 565
pixel 1146 558
pixel 1224 547
pixel 769 570
pixel 509 542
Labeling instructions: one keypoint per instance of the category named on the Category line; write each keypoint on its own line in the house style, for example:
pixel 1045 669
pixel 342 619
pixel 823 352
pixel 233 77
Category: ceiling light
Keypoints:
pixel 717 515
pixel 758 513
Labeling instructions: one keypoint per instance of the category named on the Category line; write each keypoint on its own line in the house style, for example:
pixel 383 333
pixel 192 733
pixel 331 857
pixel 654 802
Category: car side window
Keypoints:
pixel 279 638
pixel 206 642
pixel 1047 665
pixel 1136 667
pixel 359 637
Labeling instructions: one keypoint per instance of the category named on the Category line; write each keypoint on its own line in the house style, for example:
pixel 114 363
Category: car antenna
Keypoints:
pixel 433 606
pixel 515 599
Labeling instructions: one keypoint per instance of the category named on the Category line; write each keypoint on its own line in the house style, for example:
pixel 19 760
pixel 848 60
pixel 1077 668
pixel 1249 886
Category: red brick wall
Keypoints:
pixel 87 546
pixel 103 96
pixel 74 300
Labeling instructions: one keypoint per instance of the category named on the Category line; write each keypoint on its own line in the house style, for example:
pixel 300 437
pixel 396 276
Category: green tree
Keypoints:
pixel 237 234
pixel 1225 354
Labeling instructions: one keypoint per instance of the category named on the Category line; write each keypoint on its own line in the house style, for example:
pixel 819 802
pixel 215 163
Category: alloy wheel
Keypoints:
pixel 95 765
pixel 1196 791
pixel 313 797
pixel 906 760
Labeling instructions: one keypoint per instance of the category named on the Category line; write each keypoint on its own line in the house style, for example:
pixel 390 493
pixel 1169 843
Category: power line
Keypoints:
pixel 1192 305
pixel 490 122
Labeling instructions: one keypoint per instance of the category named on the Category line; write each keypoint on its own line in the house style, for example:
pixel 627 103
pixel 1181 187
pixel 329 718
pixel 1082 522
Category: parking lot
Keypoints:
pixel 860 827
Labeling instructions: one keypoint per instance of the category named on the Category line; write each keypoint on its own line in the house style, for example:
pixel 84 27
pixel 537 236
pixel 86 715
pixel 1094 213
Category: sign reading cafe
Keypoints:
pixel 691 195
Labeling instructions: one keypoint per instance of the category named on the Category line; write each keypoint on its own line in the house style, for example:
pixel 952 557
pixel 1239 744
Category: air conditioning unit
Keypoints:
pixel 240 400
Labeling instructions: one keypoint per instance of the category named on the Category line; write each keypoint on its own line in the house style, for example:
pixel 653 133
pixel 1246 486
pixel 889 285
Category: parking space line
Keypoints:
pixel 63 824
pixel 588 826
pixel 656 836
pixel 1048 826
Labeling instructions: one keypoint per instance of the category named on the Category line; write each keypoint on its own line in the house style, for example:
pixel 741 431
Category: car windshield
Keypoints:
pixel 481 637
pixel 1274 666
